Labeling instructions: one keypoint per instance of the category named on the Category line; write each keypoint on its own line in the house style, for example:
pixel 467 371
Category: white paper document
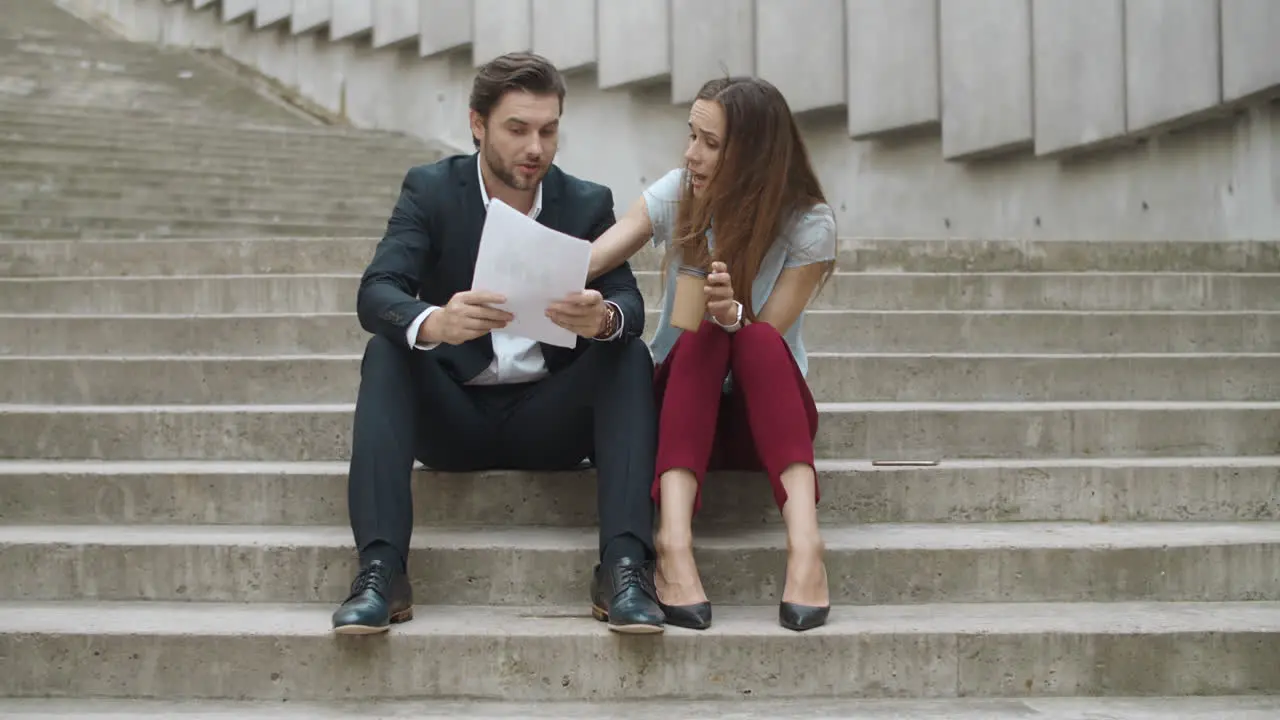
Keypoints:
pixel 532 266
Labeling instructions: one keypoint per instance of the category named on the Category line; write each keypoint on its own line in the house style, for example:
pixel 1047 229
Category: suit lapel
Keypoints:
pixel 552 190
pixel 473 211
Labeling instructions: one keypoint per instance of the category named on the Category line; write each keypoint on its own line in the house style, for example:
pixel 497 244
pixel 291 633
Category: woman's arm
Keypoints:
pixel 792 292
pixel 617 244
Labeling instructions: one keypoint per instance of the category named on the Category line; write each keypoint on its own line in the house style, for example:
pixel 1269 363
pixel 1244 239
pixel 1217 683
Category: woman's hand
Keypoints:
pixel 719 290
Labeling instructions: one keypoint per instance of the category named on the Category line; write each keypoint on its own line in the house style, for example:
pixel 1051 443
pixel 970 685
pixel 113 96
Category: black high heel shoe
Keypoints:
pixel 693 617
pixel 793 616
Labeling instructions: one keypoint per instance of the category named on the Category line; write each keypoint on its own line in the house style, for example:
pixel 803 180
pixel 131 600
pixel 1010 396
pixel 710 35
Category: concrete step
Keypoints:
pixel 26 179
pixel 1217 708
pixel 979 255
pixel 1225 489
pixel 18 145
pixel 237 138
pixel 877 431
pixel 208 256
pixel 113 380
pixel 54 195
pixel 286 652
pixel 107 121
pixel 867 565
pixel 16 225
pixel 177 164
pixel 269 254
pixel 851 291
pixel 78 208
pixel 1000 332
pixel 212 232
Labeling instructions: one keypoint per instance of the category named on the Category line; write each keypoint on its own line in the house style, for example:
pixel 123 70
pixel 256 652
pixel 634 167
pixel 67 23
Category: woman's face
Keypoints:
pixel 706 139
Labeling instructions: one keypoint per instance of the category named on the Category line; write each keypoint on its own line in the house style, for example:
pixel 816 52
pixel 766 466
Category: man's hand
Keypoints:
pixel 582 313
pixel 466 317
pixel 719 290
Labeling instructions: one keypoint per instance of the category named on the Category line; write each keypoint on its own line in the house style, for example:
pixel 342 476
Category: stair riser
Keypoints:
pixel 851 291
pixel 112 381
pixel 273 255
pixel 81 145
pixel 75 180
pixel 605 667
pixel 256 335
pixel 213 232
pixel 903 495
pixel 47 198
pixel 375 171
pixel 321 434
pixel 108 125
pixel 16 225
pixel 964 255
pixel 732 576
pixel 78 212
pixel 223 256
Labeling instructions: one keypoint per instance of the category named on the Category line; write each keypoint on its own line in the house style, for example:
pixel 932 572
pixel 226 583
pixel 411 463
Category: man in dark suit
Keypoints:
pixel 442 383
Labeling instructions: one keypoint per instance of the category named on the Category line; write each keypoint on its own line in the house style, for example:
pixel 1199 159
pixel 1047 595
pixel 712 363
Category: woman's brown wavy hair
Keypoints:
pixel 763 181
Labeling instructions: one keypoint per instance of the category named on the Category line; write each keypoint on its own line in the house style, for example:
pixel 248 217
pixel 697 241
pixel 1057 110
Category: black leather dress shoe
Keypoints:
pixel 624 596
pixel 379 597
pixel 802 617
pixel 695 617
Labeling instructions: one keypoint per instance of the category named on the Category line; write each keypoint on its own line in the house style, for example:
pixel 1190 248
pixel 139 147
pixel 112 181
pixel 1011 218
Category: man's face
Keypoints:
pixel 519 141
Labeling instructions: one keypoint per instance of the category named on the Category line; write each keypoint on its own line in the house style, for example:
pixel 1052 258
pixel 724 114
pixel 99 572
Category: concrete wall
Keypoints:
pixel 1046 119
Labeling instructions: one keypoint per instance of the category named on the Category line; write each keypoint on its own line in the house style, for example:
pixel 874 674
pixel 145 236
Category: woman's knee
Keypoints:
pixel 756 335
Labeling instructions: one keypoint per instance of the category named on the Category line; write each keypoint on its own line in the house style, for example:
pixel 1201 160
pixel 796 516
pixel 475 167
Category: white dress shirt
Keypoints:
pixel 515 359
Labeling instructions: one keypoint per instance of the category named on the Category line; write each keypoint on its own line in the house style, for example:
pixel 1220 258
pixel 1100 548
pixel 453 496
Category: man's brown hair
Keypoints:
pixel 521 71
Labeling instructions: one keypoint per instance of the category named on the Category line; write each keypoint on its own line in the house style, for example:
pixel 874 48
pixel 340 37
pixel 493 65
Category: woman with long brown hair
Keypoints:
pixel 747 209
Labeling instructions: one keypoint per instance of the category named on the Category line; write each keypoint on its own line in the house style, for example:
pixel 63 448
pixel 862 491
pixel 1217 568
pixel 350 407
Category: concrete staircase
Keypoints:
pixel 178 360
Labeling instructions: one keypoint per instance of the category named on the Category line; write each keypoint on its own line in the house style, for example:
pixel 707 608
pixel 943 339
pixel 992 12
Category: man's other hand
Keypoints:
pixel 466 317
pixel 582 313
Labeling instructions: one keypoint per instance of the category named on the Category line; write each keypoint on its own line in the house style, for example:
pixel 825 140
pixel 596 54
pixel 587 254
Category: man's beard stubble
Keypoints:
pixel 505 174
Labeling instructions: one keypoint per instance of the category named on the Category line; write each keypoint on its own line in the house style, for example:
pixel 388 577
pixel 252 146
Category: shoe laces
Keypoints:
pixel 375 576
pixel 631 576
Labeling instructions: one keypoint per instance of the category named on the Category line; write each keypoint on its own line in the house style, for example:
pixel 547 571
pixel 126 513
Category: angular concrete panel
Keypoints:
pixel 1173 60
pixel 350 18
pixel 444 25
pixel 1250 47
pixel 800 49
pixel 565 32
pixel 892 65
pixel 233 10
pixel 1079 73
pixel 310 15
pixel 709 39
pixel 394 21
pixel 198 4
pixel 271 12
pixel 501 26
pixel 634 41
pixel 986 76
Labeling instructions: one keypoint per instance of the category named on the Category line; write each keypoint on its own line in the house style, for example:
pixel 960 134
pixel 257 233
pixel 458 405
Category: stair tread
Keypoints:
pixel 1146 708
pixel 823 407
pixel 251 467
pixel 312 619
pixel 838 538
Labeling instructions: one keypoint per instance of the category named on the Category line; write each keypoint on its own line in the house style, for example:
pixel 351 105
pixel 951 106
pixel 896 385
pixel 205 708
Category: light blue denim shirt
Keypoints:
pixel 810 239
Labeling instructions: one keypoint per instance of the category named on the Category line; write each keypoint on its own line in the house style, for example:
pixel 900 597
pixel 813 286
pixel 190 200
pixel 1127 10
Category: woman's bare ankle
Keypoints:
pixel 806 574
pixel 677 573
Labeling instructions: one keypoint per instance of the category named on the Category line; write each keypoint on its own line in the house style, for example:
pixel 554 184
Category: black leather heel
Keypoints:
pixel 802 617
pixel 694 617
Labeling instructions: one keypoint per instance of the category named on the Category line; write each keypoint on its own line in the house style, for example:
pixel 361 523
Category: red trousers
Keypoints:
pixel 766 422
